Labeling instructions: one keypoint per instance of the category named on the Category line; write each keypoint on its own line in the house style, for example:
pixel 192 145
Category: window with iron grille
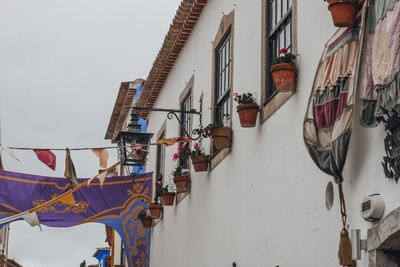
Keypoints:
pixel 279 34
pixel 185 125
pixel 222 86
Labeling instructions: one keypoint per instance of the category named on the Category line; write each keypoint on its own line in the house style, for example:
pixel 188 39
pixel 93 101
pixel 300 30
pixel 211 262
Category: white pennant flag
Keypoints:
pixel 101 176
pixel 31 218
pixel 9 152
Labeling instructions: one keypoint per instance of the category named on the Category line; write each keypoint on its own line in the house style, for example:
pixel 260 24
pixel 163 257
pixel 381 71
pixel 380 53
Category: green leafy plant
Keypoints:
pixel 284 57
pixel 207 131
pixel 183 152
pixel 168 188
pixel 197 150
pixel 179 171
pixel 142 213
pixel 246 98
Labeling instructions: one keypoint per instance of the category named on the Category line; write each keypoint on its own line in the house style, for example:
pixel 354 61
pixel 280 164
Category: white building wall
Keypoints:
pixel 264 204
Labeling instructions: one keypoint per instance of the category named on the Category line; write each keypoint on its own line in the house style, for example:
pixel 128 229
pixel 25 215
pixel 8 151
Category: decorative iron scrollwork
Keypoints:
pixel 391 162
pixel 172 113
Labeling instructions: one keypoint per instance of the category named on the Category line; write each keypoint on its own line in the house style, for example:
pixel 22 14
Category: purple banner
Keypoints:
pixel 116 204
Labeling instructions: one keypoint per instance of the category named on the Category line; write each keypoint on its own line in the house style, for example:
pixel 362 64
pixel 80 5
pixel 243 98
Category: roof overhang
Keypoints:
pixel 125 100
pixel 184 21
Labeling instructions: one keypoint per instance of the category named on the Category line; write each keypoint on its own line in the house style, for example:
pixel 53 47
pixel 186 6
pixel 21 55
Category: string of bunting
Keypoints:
pixel 46 155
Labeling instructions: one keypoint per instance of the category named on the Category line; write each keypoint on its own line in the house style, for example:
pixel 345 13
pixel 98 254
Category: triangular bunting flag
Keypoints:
pixel 70 173
pixel 102 154
pixel 31 218
pixel 9 152
pixel 101 176
pixel 47 157
pixel 174 140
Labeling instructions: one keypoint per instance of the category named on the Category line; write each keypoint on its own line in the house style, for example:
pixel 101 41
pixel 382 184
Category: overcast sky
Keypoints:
pixel 61 64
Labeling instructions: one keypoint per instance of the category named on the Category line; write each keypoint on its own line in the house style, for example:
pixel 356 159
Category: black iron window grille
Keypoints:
pixel 223 74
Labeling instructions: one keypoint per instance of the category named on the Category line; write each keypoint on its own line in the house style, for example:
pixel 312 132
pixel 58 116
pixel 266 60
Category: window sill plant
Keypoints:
pixel 167 196
pixel 199 158
pixel 343 12
pixel 144 218
pixel 155 208
pixel 283 71
pixel 247 109
pixel 221 135
pixel 180 174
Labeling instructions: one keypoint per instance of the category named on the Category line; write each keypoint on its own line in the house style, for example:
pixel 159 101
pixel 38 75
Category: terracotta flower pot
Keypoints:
pixel 247 114
pixel 146 221
pixel 155 211
pixel 343 12
pixel 200 162
pixel 182 183
pixel 168 198
pixel 222 137
pixel 284 75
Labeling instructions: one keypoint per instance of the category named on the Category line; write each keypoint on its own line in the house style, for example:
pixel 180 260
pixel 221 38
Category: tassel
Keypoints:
pixel 344 252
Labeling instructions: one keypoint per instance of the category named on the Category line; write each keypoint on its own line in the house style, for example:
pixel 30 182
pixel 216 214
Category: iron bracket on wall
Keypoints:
pixel 391 162
pixel 172 113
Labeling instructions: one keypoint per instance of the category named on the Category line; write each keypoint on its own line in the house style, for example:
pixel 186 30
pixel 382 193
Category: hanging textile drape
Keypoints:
pixel 116 204
pixel 328 120
pixel 329 115
pixel 381 61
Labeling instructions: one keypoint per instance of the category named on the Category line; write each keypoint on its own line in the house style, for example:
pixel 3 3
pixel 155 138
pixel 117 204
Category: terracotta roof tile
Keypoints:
pixel 185 19
pixel 125 99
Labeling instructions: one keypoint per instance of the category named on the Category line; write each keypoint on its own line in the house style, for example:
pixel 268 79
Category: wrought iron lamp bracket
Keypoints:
pixel 171 113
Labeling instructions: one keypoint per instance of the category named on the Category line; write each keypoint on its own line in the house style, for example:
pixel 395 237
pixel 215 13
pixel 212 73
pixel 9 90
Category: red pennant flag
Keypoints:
pixel 47 157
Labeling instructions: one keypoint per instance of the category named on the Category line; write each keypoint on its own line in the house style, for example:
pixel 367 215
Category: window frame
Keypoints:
pixel 187 93
pixel 275 100
pixel 160 148
pixel 226 24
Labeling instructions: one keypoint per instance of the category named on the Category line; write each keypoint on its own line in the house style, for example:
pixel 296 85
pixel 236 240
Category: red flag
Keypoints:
pixel 47 157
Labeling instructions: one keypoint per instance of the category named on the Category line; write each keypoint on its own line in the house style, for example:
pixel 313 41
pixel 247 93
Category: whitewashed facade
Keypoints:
pixel 263 201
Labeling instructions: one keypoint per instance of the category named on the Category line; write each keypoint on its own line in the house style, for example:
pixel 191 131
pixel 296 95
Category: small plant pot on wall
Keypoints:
pixel 146 221
pixel 182 183
pixel 284 75
pixel 155 211
pixel 200 162
pixel 222 137
pixel 168 198
pixel 343 12
pixel 248 114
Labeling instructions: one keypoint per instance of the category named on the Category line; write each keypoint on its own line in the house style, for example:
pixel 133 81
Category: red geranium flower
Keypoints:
pixel 283 51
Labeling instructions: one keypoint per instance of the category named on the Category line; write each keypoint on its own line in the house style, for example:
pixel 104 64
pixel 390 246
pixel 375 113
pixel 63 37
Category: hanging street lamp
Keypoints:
pixel 133 143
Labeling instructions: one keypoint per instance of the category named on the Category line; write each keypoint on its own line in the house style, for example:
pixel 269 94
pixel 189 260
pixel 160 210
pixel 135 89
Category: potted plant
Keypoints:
pixel 167 195
pixel 181 174
pixel 221 135
pixel 284 71
pixel 343 12
pixel 199 158
pixel 247 109
pixel 155 208
pixel 146 219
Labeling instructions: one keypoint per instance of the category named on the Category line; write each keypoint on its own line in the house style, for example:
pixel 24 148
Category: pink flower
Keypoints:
pixel 208 132
pixel 182 146
pixel 196 145
pixel 176 156
pixel 179 148
pixel 235 94
pixel 283 51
